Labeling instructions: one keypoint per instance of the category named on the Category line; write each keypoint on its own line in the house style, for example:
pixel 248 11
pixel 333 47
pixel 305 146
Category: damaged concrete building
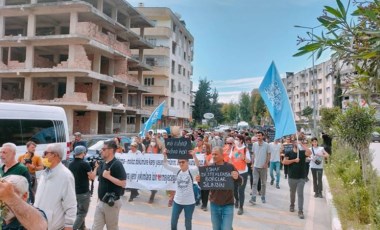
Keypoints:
pixel 77 55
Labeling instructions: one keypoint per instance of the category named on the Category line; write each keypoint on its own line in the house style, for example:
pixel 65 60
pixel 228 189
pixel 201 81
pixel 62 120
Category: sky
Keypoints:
pixel 235 41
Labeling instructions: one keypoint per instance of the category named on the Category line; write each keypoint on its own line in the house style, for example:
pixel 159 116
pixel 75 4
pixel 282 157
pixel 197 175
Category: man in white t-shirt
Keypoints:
pixel 274 149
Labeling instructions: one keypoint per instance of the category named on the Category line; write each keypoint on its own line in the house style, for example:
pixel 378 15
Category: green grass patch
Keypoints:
pixel 358 203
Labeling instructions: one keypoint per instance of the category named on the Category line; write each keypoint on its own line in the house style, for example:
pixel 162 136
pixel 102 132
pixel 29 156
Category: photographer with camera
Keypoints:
pixel 77 141
pixel 34 163
pixel 82 172
pixel 318 156
pixel 112 181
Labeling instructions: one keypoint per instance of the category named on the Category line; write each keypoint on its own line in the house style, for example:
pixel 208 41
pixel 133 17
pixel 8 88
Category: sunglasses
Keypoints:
pixel 181 162
pixel 46 153
pixel 229 144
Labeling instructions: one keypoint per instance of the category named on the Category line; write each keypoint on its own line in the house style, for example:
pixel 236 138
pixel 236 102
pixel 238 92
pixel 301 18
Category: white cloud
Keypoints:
pixel 240 83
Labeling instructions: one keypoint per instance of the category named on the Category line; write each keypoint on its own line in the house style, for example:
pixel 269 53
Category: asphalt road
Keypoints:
pixel 274 214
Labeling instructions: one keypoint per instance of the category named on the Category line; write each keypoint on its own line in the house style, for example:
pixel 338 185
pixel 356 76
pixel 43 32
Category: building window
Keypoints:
pixel 151 61
pixel 152 41
pixel 179 86
pixel 149 101
pixel 184 72
pixel 172 102
pixel 173 86
pixel 179 69
pixel 149 81
pixel 183 105
pixel 328 100
pixel 173 67
pixel 131 120
pixel 320 101
pixel 174 47
pixel 184 56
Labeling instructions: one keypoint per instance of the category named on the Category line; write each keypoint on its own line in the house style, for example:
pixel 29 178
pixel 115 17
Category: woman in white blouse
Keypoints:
pixel 184 195
pixel 318 156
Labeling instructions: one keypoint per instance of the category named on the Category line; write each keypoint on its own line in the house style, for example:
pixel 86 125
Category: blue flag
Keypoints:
pixel 274 94
pixel 156 115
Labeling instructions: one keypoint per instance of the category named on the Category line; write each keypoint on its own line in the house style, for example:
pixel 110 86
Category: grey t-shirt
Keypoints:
pixel 260 153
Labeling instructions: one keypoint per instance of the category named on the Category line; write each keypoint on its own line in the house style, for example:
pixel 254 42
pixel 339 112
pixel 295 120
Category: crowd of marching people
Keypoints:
pixel 60 198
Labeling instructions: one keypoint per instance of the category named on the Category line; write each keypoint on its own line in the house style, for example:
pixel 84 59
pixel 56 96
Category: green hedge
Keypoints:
pixel 358 204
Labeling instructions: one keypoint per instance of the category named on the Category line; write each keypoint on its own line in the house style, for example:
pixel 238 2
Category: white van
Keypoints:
pixel 20 123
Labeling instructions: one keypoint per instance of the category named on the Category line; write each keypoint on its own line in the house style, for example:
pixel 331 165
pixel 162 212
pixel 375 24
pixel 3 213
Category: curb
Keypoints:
pixel 335 221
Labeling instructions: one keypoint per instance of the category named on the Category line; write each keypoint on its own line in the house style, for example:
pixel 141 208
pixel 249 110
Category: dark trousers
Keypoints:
pixel 239 190
pixel 204 196
pixel 307 169
pixel 83 203
pixel 250 174
pixel 317 180
pixel 134 193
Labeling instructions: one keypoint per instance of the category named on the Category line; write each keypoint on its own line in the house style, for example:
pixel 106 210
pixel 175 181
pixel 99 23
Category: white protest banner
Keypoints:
pixel 145 171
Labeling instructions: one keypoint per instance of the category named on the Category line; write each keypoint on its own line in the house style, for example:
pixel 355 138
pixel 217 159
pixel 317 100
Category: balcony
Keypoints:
pixel 158 90
pixel 158 51
pixel 159 31
pixel 91 30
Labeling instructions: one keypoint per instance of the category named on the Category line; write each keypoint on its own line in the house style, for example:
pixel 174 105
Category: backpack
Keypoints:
pixel 196 189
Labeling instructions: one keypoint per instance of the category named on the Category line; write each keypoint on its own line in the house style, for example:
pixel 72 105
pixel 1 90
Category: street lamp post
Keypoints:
pixel 315 89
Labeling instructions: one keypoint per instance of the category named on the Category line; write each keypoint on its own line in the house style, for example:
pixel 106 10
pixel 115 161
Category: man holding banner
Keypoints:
pixel 220 178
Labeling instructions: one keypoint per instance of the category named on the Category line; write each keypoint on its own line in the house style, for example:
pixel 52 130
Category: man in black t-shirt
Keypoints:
pixel 297 171
pixel 112 181
pixel 82 173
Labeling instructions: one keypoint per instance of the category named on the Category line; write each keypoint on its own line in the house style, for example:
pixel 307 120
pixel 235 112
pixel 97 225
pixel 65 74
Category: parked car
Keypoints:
pixel 375 137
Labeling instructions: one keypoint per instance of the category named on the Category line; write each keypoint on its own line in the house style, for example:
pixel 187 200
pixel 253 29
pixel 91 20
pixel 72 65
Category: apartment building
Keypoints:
pixel 77 55
pixel 171 58
pixel 302 85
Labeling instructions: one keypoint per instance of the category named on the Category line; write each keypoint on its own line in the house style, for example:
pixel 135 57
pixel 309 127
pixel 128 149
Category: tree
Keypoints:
pixel 230 112
pixel 259 108
pixel 215 107
pixel 202 100
pixel 354 127
pixel 353 40
pixel 328 116
pixel 245 106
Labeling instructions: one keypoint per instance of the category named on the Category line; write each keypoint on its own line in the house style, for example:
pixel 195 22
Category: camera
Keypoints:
pixel 93 159
pixel 28 161
pixel 110 198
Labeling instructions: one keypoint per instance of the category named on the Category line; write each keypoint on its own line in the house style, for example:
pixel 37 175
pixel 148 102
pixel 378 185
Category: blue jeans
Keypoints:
pixel 222 216
pixel 176 211
pixel 276 166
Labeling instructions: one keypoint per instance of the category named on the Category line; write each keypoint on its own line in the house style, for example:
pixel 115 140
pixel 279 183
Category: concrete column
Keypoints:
pixel 73 22
pixel 109 123
pixel 31 25
pixel 100 5
pixel 111 68
pixel 70 119
pixel 123 124
pixel 28 89
pixel 70 85
pixel 94 122
pixel 57 30
pixel 96 63
pixel 139 98
pixel 71 58
pixel 125 97
pixel 2 2
pixel 1 83
pixel 114 13
pixel 128 22
pixel 2 28
pixel 138 123
pixel 140 76
pixel 142 32
pixel 56 58
pixel 95 91
pixel 141 55
pixel 29 59
pixel 110 94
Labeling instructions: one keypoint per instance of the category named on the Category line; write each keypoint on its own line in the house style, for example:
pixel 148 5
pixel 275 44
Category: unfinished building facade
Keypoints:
pixel 77 55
